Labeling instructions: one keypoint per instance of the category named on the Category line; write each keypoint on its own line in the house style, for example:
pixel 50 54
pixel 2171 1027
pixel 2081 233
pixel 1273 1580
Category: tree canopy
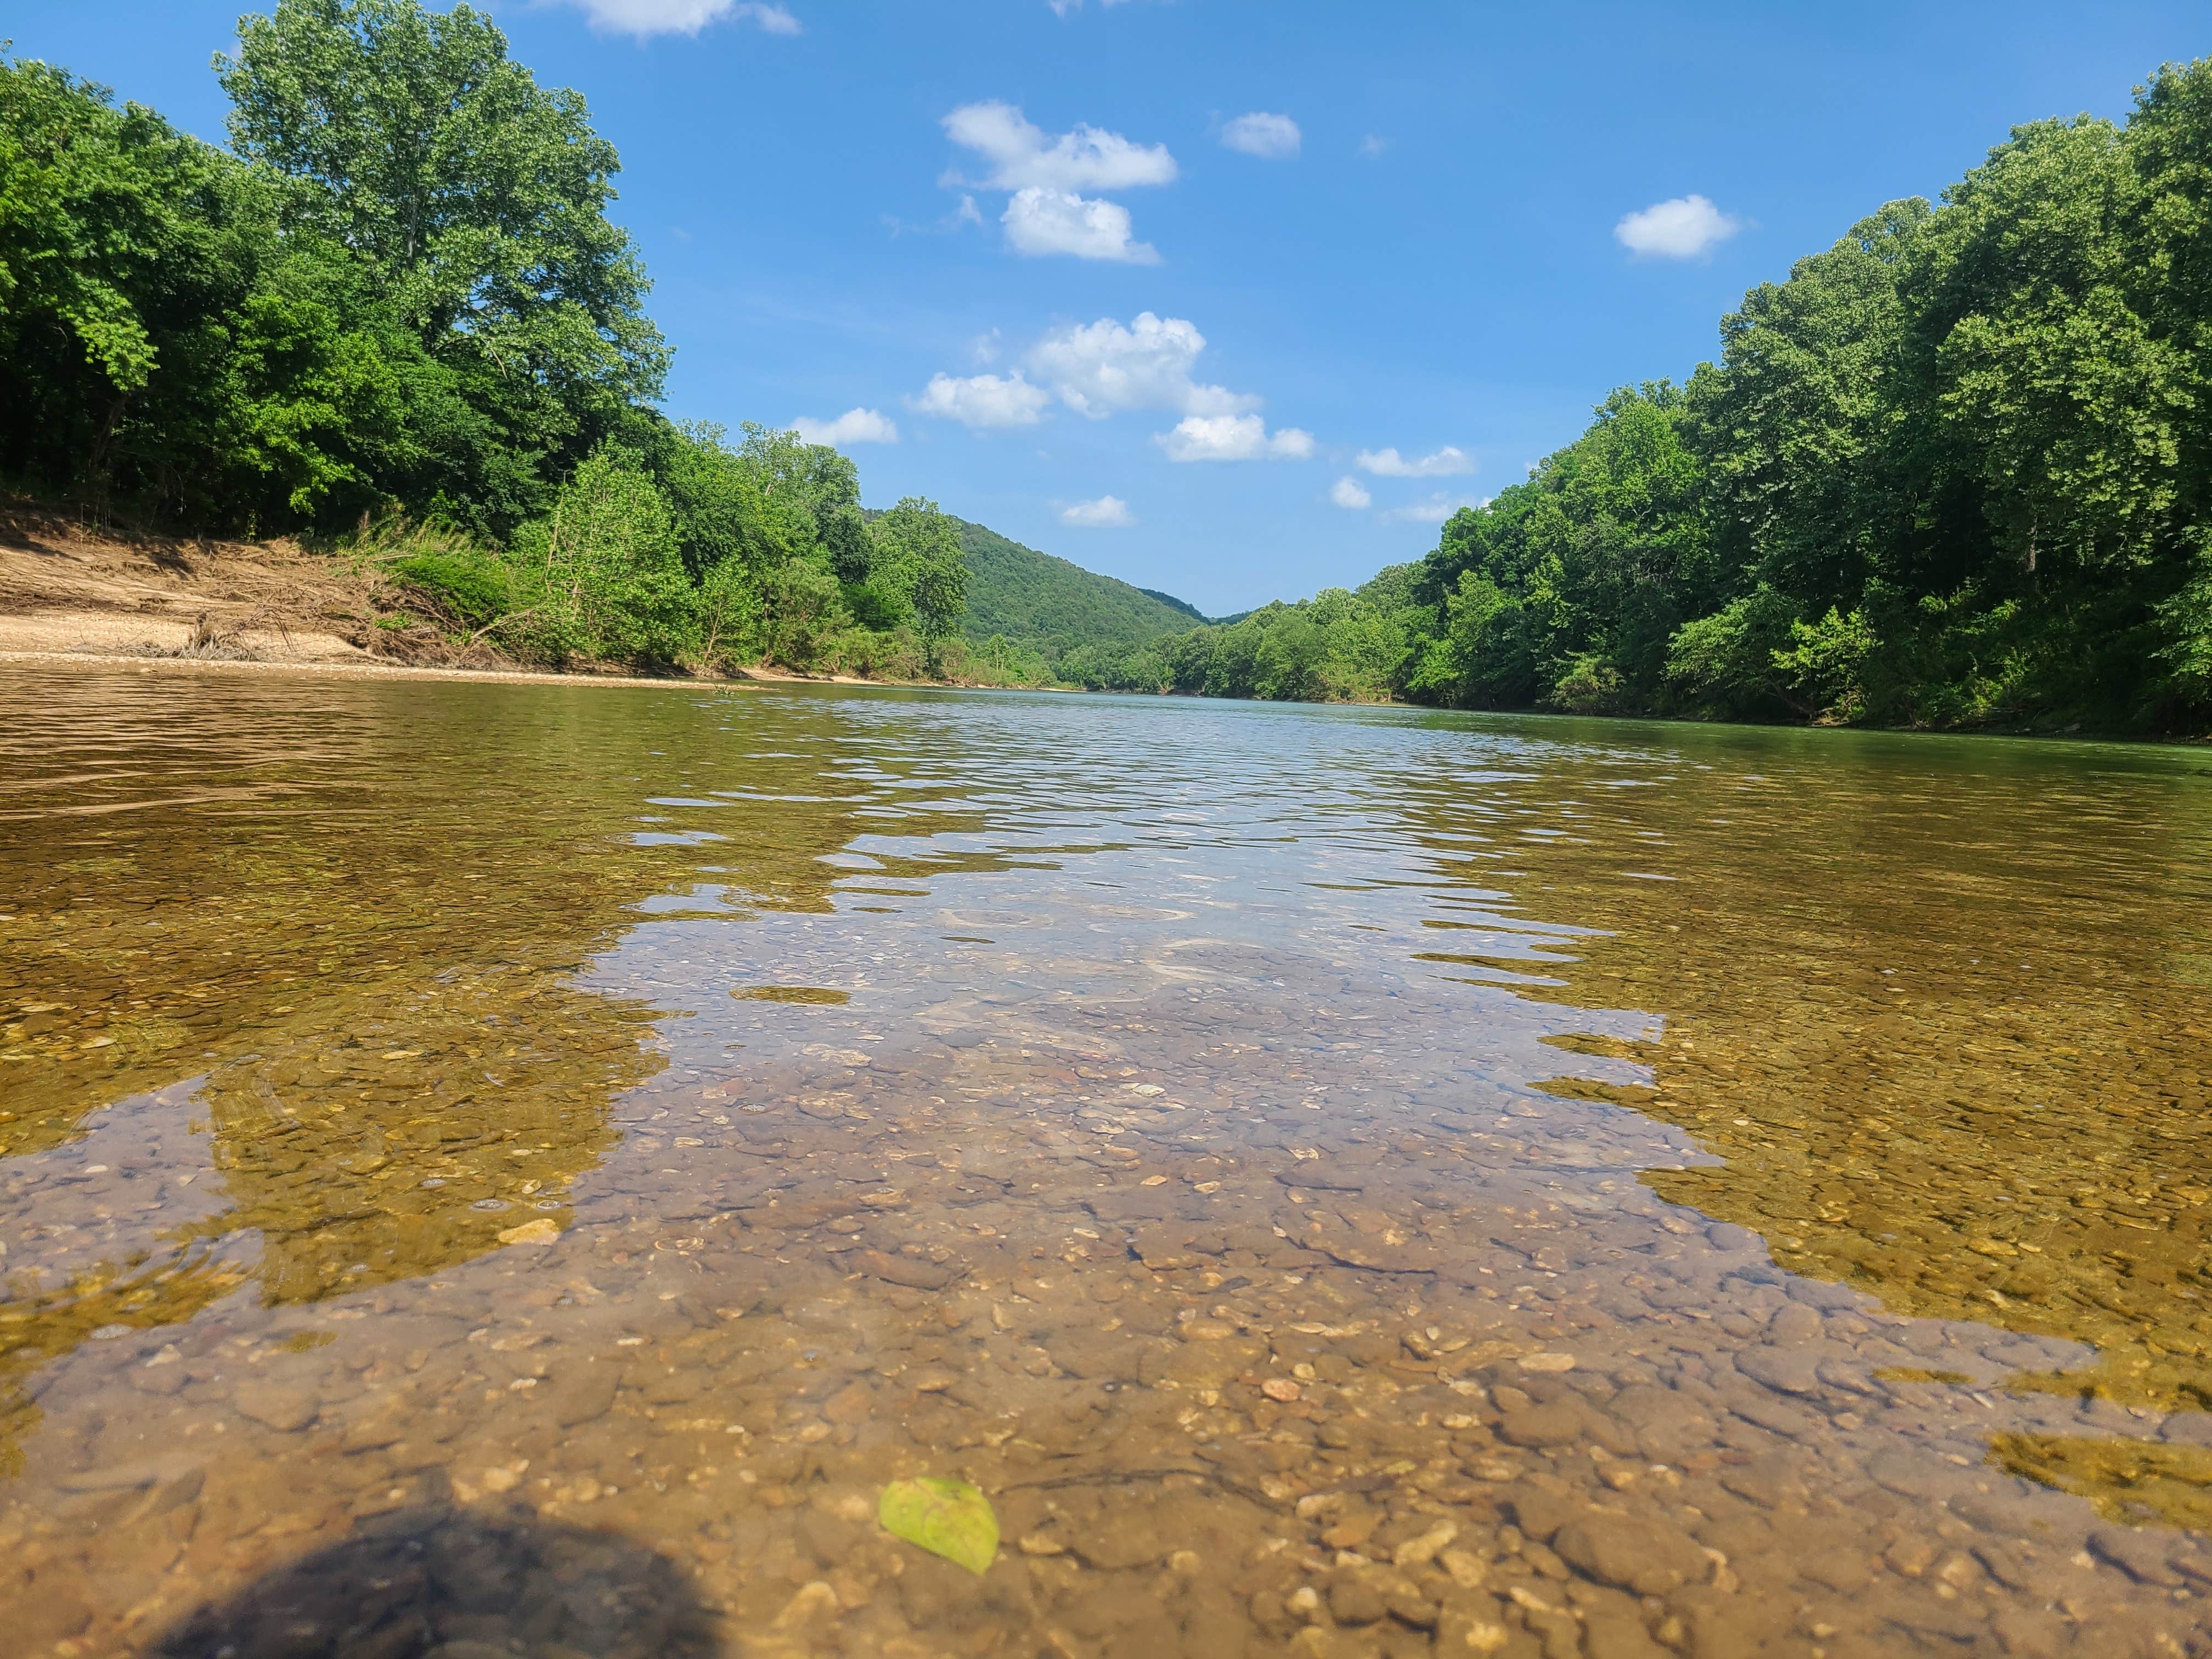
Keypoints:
pixel 398 300
pixel 1955 469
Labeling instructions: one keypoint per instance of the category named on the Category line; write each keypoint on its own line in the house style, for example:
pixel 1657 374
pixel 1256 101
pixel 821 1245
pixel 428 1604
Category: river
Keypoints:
pixel 518 1168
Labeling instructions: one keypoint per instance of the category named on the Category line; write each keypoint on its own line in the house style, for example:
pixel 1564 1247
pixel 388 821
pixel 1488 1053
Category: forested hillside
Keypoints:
pixel 1956 470
pixel 394 314
pixel 1066 618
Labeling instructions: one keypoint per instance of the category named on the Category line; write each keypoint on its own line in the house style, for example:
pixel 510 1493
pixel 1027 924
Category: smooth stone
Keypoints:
pixel 1646 1556
pixel 583 1395
pixel 276 1406
pixel 1786 1370
pixel 2141 1555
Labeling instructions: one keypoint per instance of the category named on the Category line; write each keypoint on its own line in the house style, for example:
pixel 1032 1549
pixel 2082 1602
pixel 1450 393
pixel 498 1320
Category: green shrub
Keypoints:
pixel 1591 685
pixel 729 615
pixel 602 576
pixel 473 584
pixel 804 613
pixel 897 654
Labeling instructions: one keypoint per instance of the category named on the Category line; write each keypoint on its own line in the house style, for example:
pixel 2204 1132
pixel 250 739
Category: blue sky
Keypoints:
pixel 1109 313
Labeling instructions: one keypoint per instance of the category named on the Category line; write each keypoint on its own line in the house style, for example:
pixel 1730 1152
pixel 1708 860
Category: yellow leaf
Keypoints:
pixel 949 1518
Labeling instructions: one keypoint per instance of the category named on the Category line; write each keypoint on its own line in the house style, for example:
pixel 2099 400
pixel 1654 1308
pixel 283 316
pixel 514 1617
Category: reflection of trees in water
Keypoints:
pixel 2009 1126
pixel 345 843
pixel 354 908
pixel 386 1141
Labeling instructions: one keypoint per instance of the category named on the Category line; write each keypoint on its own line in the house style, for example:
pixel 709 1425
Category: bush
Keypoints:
pixel 804 613
pixel 1826 661
pixel 729 615
pixel 602 576
pixel 471 584
pixel 897 654
pixel 1591 685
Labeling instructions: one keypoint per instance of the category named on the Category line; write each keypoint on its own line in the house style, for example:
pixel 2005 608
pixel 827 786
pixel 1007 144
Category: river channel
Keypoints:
pixel 517 1170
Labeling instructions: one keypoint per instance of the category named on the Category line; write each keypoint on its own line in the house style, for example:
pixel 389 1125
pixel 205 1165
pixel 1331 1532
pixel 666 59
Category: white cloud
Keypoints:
pixel 1679 229
pixel 1041 220
pixel 1350 492
pixel 1110 367
pixel 854 426
pixel 1107 513
pixel 1271 137
pixel 1098 368
pixel 1390 463
pixel 982 401
pixel 1233 438
pixel 1373 145
pixel 1022 154
pixel 646 17
pixel 772 19
pixel 1435 510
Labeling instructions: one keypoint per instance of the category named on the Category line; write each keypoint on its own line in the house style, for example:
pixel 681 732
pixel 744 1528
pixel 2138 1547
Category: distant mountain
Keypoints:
pixel 1183 605
pixel 1050 605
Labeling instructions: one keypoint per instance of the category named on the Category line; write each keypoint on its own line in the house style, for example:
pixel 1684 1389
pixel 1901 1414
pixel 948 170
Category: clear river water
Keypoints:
pixel 518 1168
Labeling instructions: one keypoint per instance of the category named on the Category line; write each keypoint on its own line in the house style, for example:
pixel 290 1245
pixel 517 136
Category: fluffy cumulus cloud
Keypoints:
pixel 1390 463
pixel 1350 492
pixel 1435 510
pixel 1107 513
pixel 1110 367
pixel 1679 229
pixel 854 426
pixel 1270 137
pixel 983 401
pixel 1019 154
pixel 1100 368
pixel 1234 438
pixel 645 17
pixel 1039 220
pixel 1047 212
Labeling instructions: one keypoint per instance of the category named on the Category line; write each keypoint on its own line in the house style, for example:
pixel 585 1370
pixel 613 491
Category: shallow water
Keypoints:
pixel 493 1168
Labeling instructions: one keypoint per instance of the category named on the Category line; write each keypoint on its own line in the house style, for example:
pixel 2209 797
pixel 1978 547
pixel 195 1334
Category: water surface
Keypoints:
pixel 518 1168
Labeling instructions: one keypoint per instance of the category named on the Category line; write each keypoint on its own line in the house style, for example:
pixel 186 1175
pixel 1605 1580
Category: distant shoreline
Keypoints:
pixel 329 669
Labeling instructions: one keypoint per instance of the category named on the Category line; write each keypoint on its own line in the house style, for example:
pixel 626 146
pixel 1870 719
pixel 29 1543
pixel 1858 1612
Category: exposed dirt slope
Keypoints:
pixel 65 587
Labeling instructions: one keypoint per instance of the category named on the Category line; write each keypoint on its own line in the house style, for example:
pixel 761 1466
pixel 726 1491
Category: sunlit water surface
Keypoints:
pixel 516 1170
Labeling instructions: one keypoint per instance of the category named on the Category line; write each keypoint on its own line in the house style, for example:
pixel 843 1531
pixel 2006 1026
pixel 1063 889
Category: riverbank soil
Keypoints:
pixel 67 588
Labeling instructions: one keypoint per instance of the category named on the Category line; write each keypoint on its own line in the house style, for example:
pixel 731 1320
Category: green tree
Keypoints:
pixel 804 613
pixel 1796 424
pixel 1565 590
pixel 601 575
pixel 480 198
pixel 167 345
pixel 917 568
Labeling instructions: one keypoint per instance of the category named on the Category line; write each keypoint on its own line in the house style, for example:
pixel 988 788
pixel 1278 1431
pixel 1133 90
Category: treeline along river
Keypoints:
pixel 520 1168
